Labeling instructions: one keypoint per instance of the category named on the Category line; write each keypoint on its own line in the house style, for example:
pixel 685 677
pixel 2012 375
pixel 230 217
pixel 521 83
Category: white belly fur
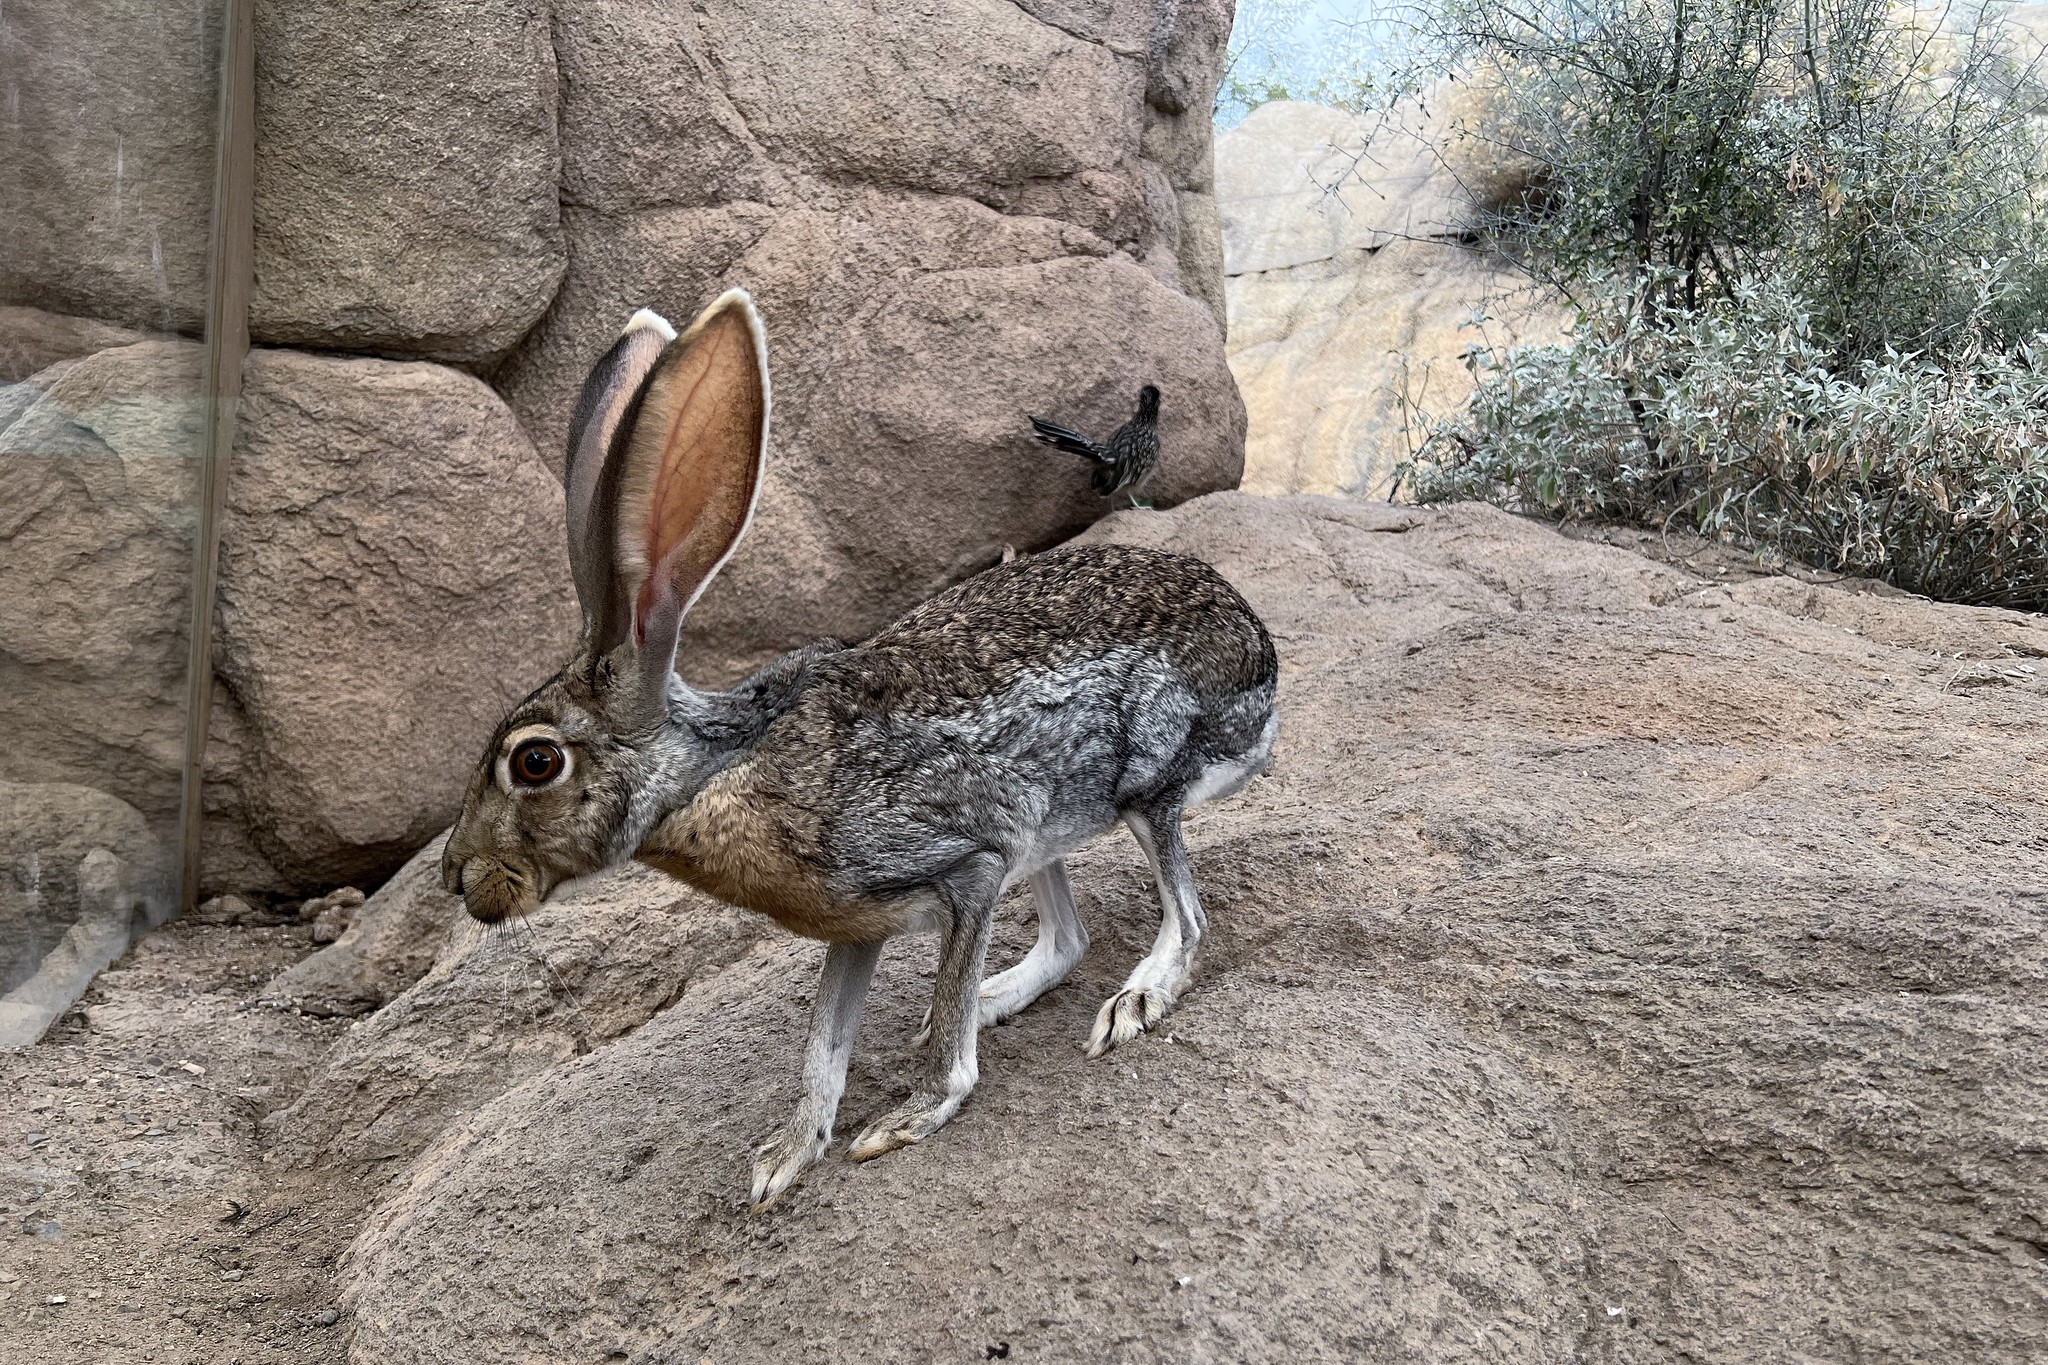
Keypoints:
pixel 1228 778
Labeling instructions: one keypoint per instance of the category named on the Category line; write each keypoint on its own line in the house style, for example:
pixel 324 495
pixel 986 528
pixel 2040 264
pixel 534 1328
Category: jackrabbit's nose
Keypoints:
pixel 493 890
pixel 451 869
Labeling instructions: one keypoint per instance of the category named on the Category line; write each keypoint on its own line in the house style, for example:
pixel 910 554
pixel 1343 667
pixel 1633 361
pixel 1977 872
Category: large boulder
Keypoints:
pixel 950 219
pixel 405 170
pixel 1616 962
pixel 108 159
pixel 1354 301
pixel 391 579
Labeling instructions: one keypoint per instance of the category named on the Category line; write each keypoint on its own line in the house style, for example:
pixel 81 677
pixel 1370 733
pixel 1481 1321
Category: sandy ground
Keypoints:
pixel 147 1227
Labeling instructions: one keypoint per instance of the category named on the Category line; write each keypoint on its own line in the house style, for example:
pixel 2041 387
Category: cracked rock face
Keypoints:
pixel 1353 299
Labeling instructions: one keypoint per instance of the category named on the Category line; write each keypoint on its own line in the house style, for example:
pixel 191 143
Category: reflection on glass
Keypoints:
pixel 107 114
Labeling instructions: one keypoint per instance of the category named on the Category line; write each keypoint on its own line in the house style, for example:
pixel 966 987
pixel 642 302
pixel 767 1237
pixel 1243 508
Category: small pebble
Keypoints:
pixel 56 1298
pixel 326 1317
pixel 231 1275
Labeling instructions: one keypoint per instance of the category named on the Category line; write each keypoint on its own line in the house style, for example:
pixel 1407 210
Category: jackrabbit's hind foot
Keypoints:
pixel 1125 1015
pixel 916 1119
pixel 784 1157
pixel 1011 991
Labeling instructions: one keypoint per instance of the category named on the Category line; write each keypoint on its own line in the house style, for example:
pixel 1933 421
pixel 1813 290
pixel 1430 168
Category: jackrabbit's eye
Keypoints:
pixel 537 763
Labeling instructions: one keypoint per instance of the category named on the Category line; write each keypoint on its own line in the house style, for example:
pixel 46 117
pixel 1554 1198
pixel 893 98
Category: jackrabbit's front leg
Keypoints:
pixel 835 1019
pixel 949 1071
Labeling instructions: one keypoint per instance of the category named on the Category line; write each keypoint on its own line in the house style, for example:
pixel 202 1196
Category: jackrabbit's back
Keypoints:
pixel 1062 611
pixel 1018 714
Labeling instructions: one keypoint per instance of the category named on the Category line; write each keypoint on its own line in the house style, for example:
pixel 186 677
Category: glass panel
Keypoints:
pixel 107 131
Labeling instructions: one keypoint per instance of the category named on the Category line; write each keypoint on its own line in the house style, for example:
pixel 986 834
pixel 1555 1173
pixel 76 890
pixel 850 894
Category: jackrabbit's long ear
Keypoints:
pixel 601 412
pixel 689 473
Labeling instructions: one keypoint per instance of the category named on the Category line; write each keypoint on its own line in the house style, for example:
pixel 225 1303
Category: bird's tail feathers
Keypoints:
pixel 1067 439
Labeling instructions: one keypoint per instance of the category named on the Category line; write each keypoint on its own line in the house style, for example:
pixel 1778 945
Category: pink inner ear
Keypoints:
pixel 708 446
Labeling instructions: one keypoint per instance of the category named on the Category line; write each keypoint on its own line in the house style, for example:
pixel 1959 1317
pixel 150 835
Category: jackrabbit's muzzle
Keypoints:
pixel 493 890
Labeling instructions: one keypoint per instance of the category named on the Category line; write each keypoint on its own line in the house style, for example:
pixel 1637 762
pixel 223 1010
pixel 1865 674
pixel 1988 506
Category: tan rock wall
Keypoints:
pixel 1353 300
pixel 390 580
pixel 952 216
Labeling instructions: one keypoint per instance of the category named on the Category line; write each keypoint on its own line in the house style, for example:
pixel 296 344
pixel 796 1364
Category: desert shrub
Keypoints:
pixel 1736 420
pixel 1692 147
pixel 1806 244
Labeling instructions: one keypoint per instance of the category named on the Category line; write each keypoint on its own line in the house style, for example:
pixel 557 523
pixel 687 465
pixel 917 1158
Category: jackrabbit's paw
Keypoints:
pixel 916 1119
pixel 782 1158
pixel 1124 1016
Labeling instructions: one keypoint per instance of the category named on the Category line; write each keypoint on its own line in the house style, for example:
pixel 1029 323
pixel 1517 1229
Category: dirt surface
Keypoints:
pixel 1618 964
pixel 141 1222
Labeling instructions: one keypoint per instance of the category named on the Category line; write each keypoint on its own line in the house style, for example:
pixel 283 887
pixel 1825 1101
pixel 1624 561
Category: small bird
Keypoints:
pixel 1126 461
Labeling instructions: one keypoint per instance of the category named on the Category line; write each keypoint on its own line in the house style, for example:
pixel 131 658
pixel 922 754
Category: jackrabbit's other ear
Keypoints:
pixel 601 412
pixel 689 473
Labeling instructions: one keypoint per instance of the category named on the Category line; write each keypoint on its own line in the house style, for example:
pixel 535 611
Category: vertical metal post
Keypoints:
pixel 229 274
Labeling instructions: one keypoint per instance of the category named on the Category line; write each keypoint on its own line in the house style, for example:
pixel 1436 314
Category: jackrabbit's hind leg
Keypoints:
pixel 1062 939
pixel 1159 979
pixel 835 1020
pixel 950 1069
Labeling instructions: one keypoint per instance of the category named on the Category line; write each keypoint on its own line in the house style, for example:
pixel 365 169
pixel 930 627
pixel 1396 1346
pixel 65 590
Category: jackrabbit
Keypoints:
pixel 859 792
